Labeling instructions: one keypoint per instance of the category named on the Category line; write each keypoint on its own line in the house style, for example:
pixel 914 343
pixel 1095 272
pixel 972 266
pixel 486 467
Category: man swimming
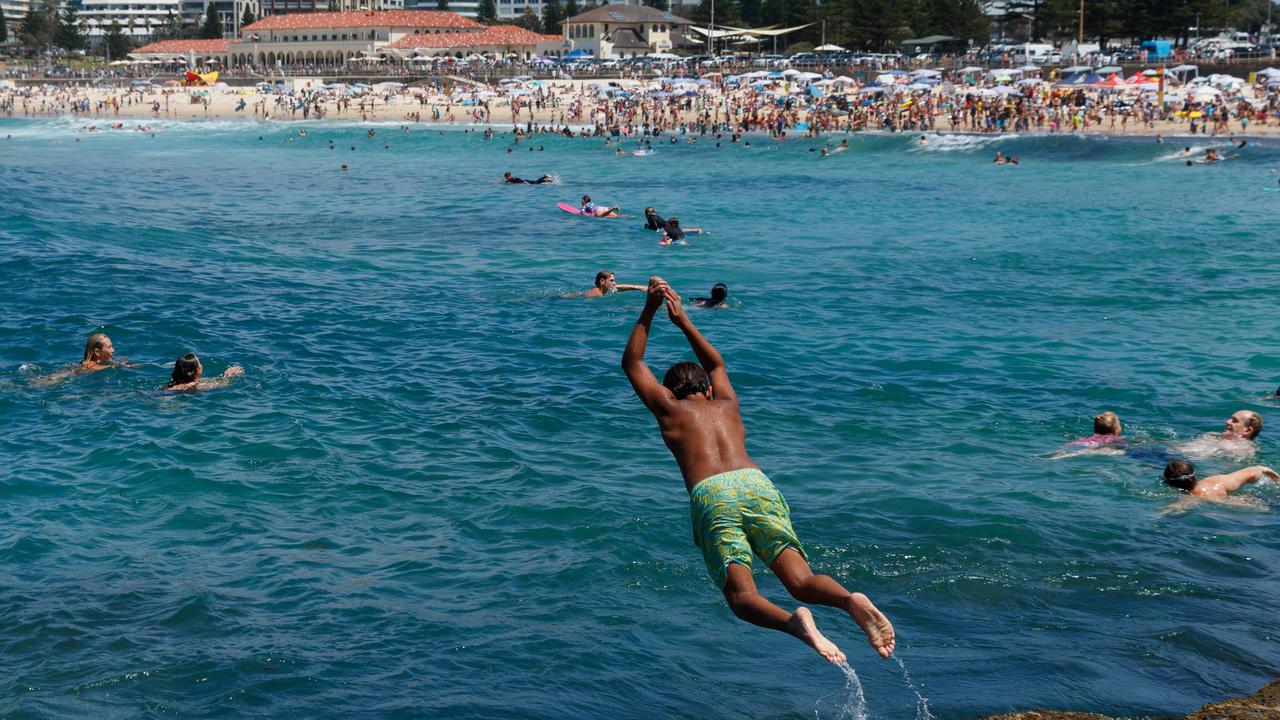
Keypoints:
pixel 1215 488
pixel 510 179
pixel 719 294
pixel 607 282
pixel 736 510
pixel 1236 441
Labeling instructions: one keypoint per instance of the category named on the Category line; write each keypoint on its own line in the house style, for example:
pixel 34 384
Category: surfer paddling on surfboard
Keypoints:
pixel 590 209
pixel 736 509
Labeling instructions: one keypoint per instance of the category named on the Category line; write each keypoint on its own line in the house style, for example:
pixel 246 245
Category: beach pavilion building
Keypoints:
pixel 500 41
pixel 623 31
pixel 335 38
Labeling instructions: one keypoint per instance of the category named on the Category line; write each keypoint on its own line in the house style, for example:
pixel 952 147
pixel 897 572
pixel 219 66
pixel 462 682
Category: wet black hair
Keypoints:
pixel 1180 474
pixel 719 292
pixel 184 370
pixel 686 378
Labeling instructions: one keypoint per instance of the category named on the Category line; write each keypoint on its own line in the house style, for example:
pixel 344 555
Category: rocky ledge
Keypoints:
pixel 1262 705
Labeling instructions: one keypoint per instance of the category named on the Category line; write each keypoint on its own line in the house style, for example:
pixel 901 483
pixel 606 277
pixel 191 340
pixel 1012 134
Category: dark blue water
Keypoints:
pixel 433 494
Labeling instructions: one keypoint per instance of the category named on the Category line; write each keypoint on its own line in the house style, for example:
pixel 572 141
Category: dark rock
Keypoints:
pixel 1262 705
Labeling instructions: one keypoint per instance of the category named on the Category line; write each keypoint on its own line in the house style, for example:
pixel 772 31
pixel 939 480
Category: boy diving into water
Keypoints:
pixel 736 509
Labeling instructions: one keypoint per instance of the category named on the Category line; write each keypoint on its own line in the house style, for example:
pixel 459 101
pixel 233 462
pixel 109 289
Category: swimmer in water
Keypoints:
pixel 674 234
pixel 924 140
pixel 1000 159
pixel 510 179
pixel 606 283
pixel 1236 441
pixel 590 209
pixel 719 295
pixel 737 511
pixel 187 371
pixel 99 354
pixel 653 221
pixel 1105 440
pixel 1215 488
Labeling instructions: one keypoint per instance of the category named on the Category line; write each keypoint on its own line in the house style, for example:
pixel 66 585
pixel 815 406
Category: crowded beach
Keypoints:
pixel 1030 99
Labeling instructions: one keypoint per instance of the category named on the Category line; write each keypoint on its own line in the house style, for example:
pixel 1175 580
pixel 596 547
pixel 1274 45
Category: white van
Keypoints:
pixel 1034 53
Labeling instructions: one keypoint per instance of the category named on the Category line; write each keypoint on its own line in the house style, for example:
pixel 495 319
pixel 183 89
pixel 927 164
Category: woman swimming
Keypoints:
pixel 590 209
pixel 187 371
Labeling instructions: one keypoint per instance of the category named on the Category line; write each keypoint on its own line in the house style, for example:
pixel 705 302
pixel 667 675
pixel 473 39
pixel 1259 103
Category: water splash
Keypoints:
pixel 852 704
pixel 922 703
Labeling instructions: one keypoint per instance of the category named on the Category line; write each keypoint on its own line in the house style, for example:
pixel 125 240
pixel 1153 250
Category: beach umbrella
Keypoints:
pixel 1268 72
pixel 1108 70
pixel 843 80
pixel 828 48
pixel 1027 82
pixel 973 69
pixel 1136 79
pixel 790 72
pixel 1074 69
pixel 1113 81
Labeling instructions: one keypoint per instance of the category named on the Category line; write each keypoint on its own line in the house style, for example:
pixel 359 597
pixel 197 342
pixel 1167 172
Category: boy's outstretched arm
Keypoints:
pixel 708 356
pixel 652 393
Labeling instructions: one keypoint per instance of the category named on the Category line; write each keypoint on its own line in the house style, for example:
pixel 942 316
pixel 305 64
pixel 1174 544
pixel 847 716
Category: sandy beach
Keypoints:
pixel 578 104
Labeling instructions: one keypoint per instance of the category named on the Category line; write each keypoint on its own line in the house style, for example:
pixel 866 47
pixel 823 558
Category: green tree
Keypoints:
pixel 4 28
pixel 118 43
pixel 571 8
pixel 67 32
pixel 878 24
pixel 247 18
pixel 962 19
pixel 750 12
pixel 212 28
pixel 442 4
pixel 487 12
pixel 529 21
pixel 552 16
pixel 659 4
pixel 37 29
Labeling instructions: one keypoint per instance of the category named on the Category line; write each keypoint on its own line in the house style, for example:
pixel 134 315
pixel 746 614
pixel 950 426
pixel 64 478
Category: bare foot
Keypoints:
pixel 802 626
pixel 873 622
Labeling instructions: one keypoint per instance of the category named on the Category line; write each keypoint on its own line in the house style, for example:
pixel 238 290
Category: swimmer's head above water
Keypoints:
pixel 186 369
pixel 719 293
pixel 1243 424
pixel 98 349
pixel 687 378
pixel 605 281
pixel 1107 423
pixel 1181 475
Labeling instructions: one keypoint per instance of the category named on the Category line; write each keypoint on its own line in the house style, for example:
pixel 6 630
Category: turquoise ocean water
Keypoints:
pixel 433 493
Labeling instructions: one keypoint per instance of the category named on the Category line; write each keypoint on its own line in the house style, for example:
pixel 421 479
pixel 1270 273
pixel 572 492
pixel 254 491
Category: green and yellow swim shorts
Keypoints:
pixel 737 513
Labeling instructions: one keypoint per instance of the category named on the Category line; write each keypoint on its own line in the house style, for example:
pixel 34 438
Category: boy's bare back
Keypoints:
pixel 703 430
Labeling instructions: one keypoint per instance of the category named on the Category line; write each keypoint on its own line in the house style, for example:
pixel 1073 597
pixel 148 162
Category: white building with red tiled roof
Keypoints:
pixel 498 40
pixel 335 38
pixel 200 51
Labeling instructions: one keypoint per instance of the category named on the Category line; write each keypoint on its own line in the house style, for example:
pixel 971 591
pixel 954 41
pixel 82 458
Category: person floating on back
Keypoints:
pixel 1215 488
pixel 736 510
pixel 187 372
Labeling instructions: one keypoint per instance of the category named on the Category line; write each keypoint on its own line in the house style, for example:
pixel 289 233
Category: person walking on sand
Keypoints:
pixel 736 510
